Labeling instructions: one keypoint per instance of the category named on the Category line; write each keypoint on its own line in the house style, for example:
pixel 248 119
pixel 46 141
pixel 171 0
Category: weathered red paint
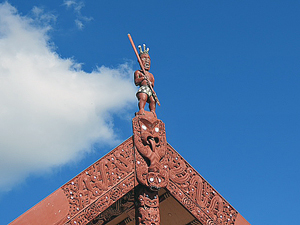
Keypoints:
pixel 51 210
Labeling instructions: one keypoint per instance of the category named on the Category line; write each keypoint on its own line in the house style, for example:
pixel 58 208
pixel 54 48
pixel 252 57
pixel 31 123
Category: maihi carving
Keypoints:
pixel 196 194
pixel 97 183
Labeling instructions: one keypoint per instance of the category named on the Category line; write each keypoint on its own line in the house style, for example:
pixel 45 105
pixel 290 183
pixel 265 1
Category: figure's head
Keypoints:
pixel 146 61
pixel 144 55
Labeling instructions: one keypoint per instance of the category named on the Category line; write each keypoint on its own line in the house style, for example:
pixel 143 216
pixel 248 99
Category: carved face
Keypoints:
pixel 146 61
pixel 150 142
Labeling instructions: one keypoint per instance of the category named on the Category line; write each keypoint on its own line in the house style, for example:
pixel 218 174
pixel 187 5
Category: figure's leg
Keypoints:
pixel 152 105
pixel 142 97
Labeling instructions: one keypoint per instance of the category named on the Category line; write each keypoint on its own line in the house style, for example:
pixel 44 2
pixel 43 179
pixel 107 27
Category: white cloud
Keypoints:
pixel 79 24
pixel 50 110
pixel 77 6
pixel 69 3
pixel 42 18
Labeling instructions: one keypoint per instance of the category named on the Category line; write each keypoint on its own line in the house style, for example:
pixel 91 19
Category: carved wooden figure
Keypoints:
pixel 147 208
pixel 145 93
pixel 145 80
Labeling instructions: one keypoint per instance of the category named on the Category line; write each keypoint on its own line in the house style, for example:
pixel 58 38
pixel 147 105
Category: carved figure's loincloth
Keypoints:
pixel 145 89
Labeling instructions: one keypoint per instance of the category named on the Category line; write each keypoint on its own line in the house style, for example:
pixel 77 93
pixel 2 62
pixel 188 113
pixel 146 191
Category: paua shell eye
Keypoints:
pixel 144 127
pixel 156 129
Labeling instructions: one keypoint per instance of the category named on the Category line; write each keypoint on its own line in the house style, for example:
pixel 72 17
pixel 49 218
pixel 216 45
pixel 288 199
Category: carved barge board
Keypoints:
pixel 89 193
pixel 197 195
pixel 100 186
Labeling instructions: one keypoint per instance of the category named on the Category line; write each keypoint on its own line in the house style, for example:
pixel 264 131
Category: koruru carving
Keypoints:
pixel 150 143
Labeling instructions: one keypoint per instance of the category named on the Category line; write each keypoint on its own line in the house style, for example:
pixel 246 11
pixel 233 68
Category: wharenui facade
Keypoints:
pixel 142 181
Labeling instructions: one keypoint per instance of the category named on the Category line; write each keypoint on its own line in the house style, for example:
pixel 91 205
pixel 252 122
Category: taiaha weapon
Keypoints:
pixel 143 69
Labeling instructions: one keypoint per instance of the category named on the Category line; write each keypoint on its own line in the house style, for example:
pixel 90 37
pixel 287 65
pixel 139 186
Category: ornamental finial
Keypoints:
pixel 146 51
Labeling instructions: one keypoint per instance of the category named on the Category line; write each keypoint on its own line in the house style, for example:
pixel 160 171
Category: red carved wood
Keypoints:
pixel 142 157
pixel 126 203
pixel 196 194
pixel 102 203
pixel 147 210
pixel 100 185
pixel 150 144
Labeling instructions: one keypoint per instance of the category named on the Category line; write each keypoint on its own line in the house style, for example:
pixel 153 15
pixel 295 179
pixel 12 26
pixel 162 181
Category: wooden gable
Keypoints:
pixel 106 192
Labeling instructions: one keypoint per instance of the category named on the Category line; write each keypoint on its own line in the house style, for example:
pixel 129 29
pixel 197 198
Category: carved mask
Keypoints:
pixel 150 141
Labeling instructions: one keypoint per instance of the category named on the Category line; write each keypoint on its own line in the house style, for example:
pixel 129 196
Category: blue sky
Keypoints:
pixel 227 76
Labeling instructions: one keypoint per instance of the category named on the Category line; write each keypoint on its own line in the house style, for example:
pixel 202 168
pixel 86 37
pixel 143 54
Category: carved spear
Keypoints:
pixel 143 69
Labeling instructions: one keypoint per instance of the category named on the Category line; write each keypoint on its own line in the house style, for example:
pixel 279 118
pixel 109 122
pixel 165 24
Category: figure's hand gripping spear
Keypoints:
pixel 143 69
